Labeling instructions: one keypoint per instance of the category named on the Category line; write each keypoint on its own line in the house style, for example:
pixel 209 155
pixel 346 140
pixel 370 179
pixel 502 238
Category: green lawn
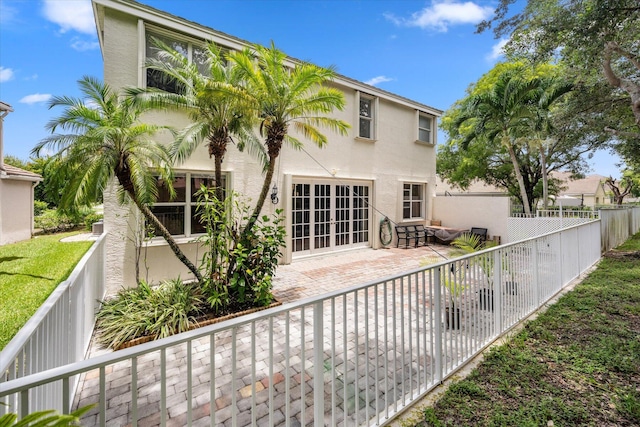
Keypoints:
pixel 29 272
pixel 576 364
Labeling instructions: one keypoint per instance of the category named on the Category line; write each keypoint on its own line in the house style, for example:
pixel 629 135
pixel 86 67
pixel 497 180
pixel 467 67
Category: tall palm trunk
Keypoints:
pixel 519 178
pixel 124 179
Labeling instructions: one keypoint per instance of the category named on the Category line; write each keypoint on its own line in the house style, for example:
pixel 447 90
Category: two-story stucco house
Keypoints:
pixel 333 198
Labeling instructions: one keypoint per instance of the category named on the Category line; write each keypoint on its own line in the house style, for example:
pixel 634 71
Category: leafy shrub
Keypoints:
pixel 39 207
pixel 160 311
pixel 52 221
pixel 237 270
pixel 90 218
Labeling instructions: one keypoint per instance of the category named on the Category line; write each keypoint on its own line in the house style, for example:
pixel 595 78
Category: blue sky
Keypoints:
pixel 424 50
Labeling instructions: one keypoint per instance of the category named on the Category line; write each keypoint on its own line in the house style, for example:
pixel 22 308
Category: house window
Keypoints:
pixel 413 201
pixel 179 215
pixel 424 128
pixel 193 51
pixel 367 117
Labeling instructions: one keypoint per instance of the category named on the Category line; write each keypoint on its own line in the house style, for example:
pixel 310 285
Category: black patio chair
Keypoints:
pixel 480 232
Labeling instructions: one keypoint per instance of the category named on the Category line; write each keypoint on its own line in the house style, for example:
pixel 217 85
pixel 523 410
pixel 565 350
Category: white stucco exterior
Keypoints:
pixel 383 164
pixel 16 194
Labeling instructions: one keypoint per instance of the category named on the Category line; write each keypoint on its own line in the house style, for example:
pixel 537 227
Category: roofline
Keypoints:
pixel 165 19
pixel 5 107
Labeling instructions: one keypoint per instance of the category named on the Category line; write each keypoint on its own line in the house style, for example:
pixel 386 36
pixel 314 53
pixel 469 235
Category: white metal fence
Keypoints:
pixel 58 334
pixel 617 225
pixel 352 357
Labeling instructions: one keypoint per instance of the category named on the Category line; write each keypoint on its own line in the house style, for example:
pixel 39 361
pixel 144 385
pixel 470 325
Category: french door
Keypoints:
pixel 328 216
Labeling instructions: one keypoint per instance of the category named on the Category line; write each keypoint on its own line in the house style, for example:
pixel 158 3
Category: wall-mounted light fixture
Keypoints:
pixel 274 194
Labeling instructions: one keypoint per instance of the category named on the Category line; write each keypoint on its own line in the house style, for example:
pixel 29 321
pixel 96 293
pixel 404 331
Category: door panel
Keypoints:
pixel 327 216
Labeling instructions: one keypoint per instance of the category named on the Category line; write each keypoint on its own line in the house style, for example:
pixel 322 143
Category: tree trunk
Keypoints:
pixel 519 178
pixel 149 216
pixel 125 181
pixel 632 88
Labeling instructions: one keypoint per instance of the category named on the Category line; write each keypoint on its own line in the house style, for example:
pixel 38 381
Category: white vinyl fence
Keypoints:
pixel 617 225
pixel 58 334
pixel 352 357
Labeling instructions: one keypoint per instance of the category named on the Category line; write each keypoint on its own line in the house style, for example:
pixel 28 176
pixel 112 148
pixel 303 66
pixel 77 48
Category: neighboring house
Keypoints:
pixel 333 198
pixel 16 194
pixel 590 191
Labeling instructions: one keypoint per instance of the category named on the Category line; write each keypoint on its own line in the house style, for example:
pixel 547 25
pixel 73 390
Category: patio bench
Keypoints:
pixel 406 234
pixel 412 235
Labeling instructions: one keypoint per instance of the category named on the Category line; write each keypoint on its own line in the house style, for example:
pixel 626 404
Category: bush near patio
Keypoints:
pixel 576 364
pixel 29 272
pixel 228 287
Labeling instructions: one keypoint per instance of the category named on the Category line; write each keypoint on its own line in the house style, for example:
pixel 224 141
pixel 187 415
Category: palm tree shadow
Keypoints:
pixel 35 276
pixel 10 258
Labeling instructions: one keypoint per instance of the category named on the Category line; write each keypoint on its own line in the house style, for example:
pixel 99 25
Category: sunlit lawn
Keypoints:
pixel 576 364
pixel 29 272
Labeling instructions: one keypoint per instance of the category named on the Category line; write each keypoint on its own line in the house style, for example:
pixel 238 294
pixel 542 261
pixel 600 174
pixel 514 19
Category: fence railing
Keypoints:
pixel 617 225
pixel 352 357
pixel 58 334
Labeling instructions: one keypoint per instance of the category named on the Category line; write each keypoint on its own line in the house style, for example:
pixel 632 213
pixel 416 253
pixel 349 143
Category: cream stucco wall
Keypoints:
pixel 16 210
pixel 394 157
pixel 474 211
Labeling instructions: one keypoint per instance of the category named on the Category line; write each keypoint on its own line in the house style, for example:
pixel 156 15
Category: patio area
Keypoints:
pixel 247 351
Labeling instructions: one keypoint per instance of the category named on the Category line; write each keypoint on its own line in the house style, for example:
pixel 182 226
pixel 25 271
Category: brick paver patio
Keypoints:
pixel 301 279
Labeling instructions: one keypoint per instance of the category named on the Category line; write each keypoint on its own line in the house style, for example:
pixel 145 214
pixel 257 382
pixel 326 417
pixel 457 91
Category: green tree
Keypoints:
pixel 596 42
pixel 216 116
pixel 286 97
pixel 105 139
pixel 502 116
pixel 522 123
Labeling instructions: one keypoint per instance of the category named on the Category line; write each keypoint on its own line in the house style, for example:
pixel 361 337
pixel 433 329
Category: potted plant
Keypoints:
pixel 454 285
pixel 469 243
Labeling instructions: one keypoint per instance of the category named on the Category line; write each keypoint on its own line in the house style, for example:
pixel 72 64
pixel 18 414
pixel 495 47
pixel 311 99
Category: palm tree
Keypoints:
pixel 286 97
pixel 551 89
pixel 503 115
pixel 105 139
pixel 216 116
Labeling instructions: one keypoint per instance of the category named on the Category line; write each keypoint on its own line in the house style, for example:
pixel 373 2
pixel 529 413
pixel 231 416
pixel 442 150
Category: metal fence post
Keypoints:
pixel 437 295
pixel 318 365
pixel 497 289
pixel 536 277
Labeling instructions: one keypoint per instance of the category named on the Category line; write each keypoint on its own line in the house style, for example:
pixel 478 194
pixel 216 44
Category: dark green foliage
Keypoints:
pixel 160 311
pixel 235 269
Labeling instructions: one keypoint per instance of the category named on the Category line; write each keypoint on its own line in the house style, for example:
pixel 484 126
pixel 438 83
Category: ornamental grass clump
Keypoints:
pixel 156 311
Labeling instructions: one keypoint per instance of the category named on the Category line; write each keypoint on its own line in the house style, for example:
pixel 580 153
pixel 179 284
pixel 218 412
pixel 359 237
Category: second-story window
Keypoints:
pixel 193 51
pixel 424 128
pixel 367 117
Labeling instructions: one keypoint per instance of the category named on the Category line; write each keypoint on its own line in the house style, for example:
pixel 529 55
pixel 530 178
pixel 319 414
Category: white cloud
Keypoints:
pixel 82 45
pixel 377 80
pixel 444 13
pixel 497 50
pixel 7 13
pixel 6 74
pixel 71 15
pixel 36 98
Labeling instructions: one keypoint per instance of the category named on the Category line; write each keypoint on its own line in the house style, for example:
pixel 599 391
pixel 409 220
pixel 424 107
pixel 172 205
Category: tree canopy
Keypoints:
pixel 596 43
pixel 505 132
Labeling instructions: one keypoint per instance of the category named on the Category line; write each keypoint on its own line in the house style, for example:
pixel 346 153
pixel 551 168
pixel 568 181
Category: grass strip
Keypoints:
pixel 578 363
pixel 29 272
